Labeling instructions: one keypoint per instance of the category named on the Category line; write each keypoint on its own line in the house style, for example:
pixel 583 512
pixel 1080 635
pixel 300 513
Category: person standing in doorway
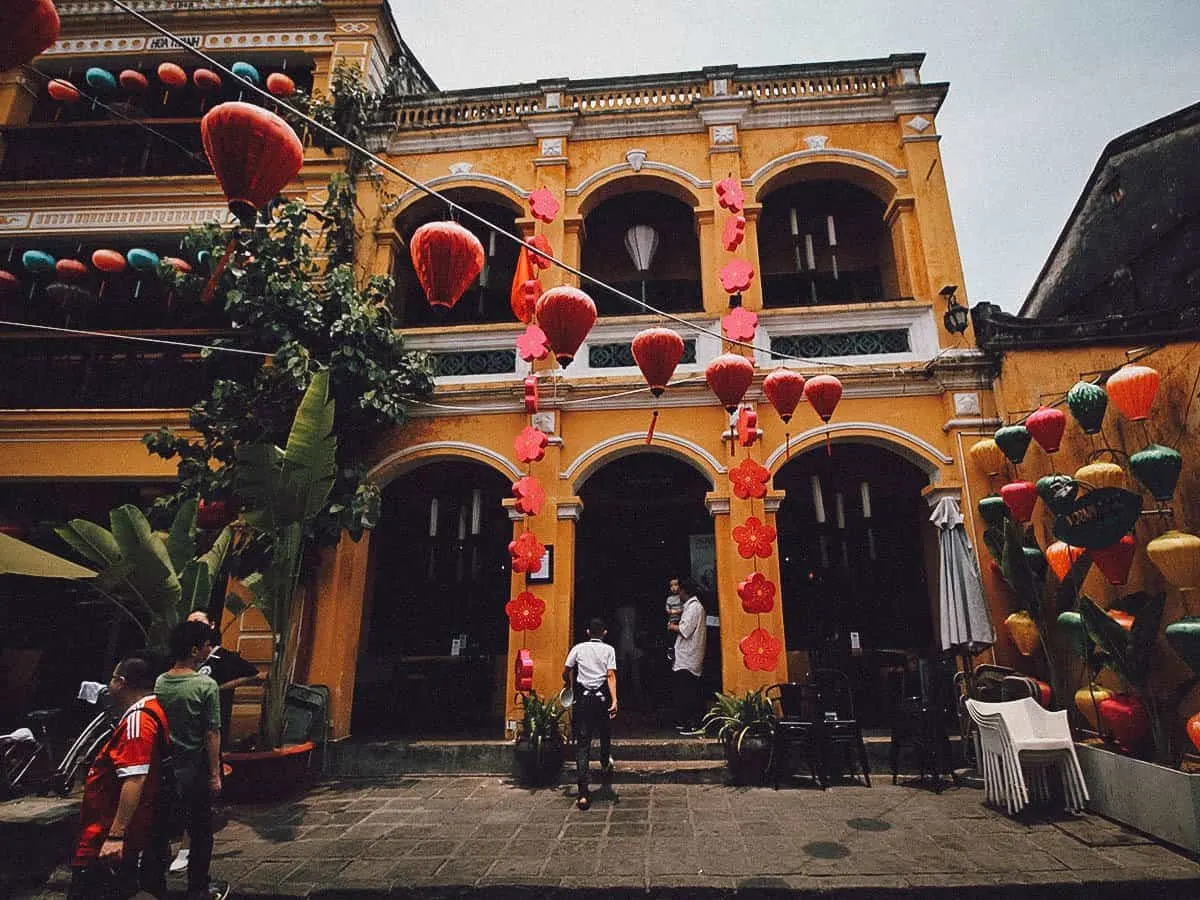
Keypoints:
pixel 686 671
pixel 591 670
pixel 674 610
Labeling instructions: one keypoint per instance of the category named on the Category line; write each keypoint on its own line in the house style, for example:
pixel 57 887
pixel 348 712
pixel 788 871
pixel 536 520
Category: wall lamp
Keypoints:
pixel 956 316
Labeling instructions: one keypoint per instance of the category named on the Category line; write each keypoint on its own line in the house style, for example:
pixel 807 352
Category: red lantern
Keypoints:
pixel 253 152
pixel 1020 497
pixel 729 377
pixel 29 27
pixel 1193 730
pixel 1125 717
pixel 134 81
pixel 1115 561
pixel 10 285
pixel 62 91
pixel 523 671
pixel 657 352
pixel 70 269
pixel 784 388
pixel 1046 426
pixel 280 85
pixel 824 392
pixel 566 314
pixel 447 258
pixel 172 76
pixel 206 80
pixel 182 266
pixel 110 262
pixel 1131 389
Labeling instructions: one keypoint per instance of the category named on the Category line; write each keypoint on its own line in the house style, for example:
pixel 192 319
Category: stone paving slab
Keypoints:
pixel 483 837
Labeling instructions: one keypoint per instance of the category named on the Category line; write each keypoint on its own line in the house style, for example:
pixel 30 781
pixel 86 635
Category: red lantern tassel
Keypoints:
pixel 653 422
pixel 787 445
pixel 828 445
pixel 211 287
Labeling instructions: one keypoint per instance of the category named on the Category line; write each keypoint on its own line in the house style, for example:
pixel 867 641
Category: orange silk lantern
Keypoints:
pixel 63 91
pixel 1062 556
pixel 206 80
pixel 110 262
pixel 526 289
pixel 1023 631
pixel 657 352
pixel 1115 561
pixel 172 76
pixel 447 258
pixel 29 27
pixel 1102 474
pixel 1177 555
pixel 1020 497
pixel 280 85
pixel 253 152
pixel 70 269
pixel 729 377
pixel 987 456
pixel 1131 389
pixel 1046 425
pixel 566 314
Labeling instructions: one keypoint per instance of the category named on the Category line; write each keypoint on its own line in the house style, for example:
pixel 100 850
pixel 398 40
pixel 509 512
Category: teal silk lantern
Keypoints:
pixel 1058 493
pixel 993 510
pixel 1013 441
pixel 246 72
pixel 142 260
pixel 1184 638
pixel 1087 403
pixel 100 79
pixel 38 263
pixel 1071 624
pixel 1157 468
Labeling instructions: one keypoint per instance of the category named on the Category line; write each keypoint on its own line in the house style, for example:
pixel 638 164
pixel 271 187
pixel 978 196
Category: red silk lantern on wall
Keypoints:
pixel 566 314
pixel 254 154
pixel 206 80
pixel 62 91
pixel 1116 560
pixel 29 27
pixel 447 258
pixel 1046 426
pixel 785 389
pixel 1131 389
pixel 280 85
pixel 133 81
pixel 657 352
pixel 110 262
pixel 70 269
pixel 729 377
pixel 1020 497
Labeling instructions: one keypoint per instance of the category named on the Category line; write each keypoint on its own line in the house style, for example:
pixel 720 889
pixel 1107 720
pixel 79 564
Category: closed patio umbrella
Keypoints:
pixel 20 558
pixel 966 624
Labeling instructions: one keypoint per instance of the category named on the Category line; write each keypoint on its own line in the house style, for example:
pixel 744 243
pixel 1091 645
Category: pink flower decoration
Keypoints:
pixel 730 195
pixel 749 479
pixel 525 612
pixel 531 445
pixel 527 552
pixel 542 243
pixel 734 232
pixel 754 538
pixel 757 593
pixel 740 324
pixel 736 276
pixel 532 344
pixel 529 494
pixel 543 206
pixel 760 651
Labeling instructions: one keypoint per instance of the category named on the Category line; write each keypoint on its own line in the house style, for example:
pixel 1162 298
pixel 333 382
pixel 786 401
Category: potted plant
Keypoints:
pixel 541 744
pixel 744 724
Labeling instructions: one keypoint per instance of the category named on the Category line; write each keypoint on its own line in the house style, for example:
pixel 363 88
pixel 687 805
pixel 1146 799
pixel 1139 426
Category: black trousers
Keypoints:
pixel 689 698
pixel 197 817
pixel 590 720
pixel 104 881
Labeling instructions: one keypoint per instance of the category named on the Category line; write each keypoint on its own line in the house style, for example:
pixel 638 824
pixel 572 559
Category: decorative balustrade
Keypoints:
pixel 636 97
pixel 857 84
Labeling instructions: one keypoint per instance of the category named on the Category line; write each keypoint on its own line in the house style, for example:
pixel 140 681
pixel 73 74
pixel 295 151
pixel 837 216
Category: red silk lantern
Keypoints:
pixel 729 377
pixel 1062 556
pixel 280 85
pixel 566 314
pixel 1125 717
pixel 110 262
pixel 1131 389
pixel 63 91
pixel 1020 497
pixel 172 76
pixel 70 269
pixel 657 352
pixel 824 392
pixel 206 80
pixel 133 80
pixel 447 258
pixel 29 27
pixel 1193 730
pixel 182 266
pixel 523 671
pixel 784 388
pixel 1046 426
pixel 254 154
pixel 1115 561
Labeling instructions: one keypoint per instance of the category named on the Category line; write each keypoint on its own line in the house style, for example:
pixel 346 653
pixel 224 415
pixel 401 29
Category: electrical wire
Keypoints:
pixel 116 335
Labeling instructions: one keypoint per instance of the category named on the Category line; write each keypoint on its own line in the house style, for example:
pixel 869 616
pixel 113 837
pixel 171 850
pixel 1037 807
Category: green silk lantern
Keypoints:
pixel 1184 638
pixel 993 510
pixel 1058 493
pixel 1088 403
pixel 1071 625
pixel 1013 441
pixel 1157 468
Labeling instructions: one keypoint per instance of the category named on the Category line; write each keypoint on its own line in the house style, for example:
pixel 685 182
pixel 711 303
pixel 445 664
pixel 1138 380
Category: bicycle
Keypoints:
pixel 26 760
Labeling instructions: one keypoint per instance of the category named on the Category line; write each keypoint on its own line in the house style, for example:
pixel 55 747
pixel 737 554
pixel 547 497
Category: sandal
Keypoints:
pixel 583 804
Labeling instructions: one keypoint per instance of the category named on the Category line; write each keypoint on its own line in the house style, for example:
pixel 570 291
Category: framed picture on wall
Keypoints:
pixel 545 572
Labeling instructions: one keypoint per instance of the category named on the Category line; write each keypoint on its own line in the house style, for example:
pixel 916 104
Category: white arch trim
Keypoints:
pixel 598 450
pixel 457 449
pixel 648 165
pixel 469 179
pixel 896 438
pixel 873 161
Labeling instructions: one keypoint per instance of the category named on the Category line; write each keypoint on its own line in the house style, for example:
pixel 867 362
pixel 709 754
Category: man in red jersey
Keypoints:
pixel 119 796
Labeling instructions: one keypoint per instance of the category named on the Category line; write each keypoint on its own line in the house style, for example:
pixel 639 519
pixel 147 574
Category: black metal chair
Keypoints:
pixel 841 734
pixel 797 731
pixel 985 683
pixel 919 724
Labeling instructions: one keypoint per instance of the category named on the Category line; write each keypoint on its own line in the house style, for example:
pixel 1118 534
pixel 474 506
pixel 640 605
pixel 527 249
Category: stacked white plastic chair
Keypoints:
pixel 1021 743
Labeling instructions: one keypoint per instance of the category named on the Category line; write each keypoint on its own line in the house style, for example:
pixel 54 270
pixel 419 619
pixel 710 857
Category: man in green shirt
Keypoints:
pixel 192 704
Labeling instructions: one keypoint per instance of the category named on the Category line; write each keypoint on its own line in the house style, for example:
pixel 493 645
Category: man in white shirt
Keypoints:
pixel 690 639
pixel 591 670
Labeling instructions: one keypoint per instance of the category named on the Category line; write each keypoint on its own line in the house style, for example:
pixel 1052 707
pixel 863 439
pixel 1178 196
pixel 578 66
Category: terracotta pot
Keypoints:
pixel 263 776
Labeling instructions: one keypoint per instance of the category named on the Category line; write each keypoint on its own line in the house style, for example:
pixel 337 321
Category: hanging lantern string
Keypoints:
pixel 133 337
pixel 96 101
pixel 478 219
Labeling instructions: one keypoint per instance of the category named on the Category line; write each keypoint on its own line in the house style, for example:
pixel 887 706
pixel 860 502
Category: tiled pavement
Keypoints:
pixel 484 837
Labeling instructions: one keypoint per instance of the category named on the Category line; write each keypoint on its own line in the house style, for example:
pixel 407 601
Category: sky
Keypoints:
pixel 1037 89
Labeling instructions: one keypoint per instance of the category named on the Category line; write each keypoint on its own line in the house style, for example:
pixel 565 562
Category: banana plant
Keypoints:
pixel 154 579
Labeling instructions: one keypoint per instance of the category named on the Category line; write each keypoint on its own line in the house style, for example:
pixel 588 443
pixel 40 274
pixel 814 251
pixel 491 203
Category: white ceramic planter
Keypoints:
pixel 1162 802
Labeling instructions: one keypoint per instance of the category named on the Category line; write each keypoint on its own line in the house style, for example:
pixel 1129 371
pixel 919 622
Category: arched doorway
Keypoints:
pixel 855 545
pixel 434 634
pixel 644 522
